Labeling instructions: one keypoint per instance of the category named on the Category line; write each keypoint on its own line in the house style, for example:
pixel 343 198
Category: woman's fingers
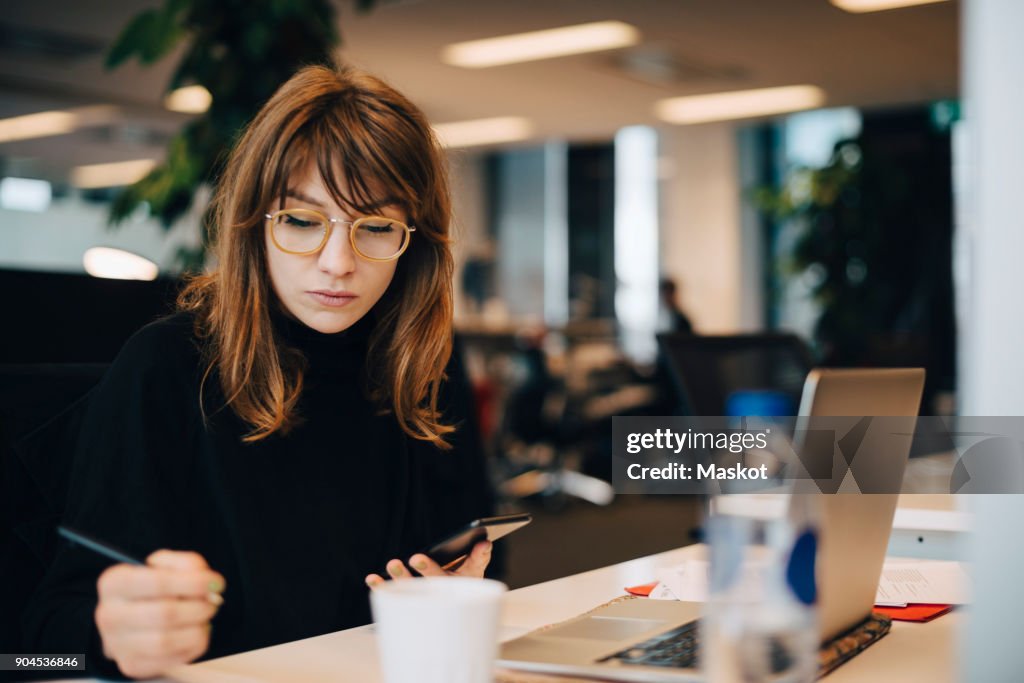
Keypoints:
pixel 157 616
pixel 397 570
pixel 423 565
pixel 130 582
pixel 147 637
pixel 474 565
pixel 154 614
pixel 185 561
pixel 177 559
pixel 477 561
pixel 180 644
pixel 426 566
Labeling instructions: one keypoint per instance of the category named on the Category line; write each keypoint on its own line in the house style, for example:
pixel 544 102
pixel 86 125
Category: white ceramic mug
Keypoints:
pixel 438 629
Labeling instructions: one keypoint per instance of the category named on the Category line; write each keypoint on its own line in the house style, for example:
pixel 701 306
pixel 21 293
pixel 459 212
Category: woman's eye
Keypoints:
pixel 298 222
pixel 380 228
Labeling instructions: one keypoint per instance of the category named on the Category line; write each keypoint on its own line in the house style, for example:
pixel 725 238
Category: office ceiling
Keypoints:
pixel 689 47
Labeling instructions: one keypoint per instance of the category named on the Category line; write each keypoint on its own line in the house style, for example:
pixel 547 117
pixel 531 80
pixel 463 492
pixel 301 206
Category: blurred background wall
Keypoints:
pixel 533 182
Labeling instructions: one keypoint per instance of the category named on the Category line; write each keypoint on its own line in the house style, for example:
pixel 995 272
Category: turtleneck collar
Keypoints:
pixel 341 351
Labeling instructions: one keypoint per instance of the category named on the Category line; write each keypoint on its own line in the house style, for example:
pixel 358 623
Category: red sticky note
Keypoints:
pixel 642 590
pixel 917 612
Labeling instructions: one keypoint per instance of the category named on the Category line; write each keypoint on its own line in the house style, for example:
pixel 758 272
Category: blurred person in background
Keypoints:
pixel 288 436
pixel 670 315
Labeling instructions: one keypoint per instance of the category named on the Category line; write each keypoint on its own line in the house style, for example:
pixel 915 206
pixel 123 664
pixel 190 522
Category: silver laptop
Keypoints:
pixel 854 536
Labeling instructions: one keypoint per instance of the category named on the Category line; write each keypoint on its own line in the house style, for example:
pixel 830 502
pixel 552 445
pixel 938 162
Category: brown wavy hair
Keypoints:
pixel 344 120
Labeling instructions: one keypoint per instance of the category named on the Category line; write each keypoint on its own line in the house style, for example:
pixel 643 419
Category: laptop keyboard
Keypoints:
pixel 678 649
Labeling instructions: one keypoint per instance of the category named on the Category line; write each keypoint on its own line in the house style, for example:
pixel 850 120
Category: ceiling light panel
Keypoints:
pixel 47 123
pixel 484 131
pixel 118 264
pixel 111 175
pixel 861 6
pixel 545 44
pixel 42 124
pixel 192 99
pixel 739 104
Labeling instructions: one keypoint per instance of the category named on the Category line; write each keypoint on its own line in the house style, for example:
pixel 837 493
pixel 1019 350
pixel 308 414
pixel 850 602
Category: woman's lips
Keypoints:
pixel 332 299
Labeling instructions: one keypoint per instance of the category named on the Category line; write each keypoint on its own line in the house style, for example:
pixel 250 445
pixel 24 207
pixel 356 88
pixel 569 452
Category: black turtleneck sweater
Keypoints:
pixel 293 522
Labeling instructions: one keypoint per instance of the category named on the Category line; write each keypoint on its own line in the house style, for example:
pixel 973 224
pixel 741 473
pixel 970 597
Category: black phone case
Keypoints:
pixel 459 544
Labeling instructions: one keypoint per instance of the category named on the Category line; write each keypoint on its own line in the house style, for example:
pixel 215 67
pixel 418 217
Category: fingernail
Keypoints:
pixel 396 570
pixel 216 586
pixel 487 548
pixel 215 599
pixel 372 581
pixel 420 565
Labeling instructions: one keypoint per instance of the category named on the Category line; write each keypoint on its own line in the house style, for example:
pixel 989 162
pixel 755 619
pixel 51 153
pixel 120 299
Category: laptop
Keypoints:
pixel 854 534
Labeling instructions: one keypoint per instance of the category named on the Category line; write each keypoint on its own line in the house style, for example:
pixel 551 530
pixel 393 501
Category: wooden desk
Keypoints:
pixel 910 653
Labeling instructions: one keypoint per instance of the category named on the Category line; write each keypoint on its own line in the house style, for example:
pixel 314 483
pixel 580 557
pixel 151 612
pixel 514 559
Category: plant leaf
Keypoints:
pixel 132 39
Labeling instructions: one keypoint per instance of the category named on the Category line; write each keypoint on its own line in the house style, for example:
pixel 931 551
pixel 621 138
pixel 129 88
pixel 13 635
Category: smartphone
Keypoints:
pixel 453 550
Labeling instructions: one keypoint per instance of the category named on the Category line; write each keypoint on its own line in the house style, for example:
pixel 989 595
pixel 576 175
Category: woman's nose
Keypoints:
pixel 337 257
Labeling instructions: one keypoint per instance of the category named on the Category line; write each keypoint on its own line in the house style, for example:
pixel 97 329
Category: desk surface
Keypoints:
pixel 911 652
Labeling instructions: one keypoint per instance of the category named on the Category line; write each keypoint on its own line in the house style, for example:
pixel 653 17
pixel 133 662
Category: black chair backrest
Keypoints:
pixel 41 408
pixel 96 315
pixel 524 417
pixel 706 371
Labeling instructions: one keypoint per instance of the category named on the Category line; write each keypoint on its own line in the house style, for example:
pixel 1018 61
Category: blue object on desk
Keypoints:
pixel 800 568
pixel 758 403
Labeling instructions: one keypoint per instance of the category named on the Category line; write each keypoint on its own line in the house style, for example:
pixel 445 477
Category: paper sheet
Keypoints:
pixel 934 582
pixel 903 582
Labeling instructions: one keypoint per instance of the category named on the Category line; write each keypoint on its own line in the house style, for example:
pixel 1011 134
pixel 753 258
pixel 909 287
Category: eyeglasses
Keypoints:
pixel 304 231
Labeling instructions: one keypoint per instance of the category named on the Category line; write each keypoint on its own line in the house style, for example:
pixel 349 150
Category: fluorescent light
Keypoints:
pixel 740 104
pixel 25 194
pixel 192 99
pixel 37 125
pixel 46 123
pixel 111 175
pixel 527 47
pixel 483 131
pixel 859 6
pixel 118 264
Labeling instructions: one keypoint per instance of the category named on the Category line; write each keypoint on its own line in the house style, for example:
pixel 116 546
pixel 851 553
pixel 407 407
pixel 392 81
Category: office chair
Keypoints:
pixel 722 375
pixel 535 441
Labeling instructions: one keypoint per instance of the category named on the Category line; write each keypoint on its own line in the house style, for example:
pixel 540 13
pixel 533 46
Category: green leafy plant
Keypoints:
pixel 831 249
pixel 240 51
pixel 873 244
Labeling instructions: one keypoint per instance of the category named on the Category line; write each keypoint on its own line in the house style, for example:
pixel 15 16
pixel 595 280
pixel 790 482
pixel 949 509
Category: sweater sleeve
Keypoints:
pixel 129 481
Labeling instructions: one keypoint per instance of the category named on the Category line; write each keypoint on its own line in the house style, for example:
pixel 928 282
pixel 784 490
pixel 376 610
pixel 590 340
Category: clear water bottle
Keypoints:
pixel 760 623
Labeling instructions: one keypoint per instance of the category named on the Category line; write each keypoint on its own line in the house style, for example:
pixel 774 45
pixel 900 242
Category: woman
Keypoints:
pixel 283 431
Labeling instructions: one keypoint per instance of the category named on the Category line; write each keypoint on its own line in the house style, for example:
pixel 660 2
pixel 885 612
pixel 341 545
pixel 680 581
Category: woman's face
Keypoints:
pixel 331 290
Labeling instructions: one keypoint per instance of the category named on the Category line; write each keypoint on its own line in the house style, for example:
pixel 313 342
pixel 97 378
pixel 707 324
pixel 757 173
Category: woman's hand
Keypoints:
pixel 155 617
pixel 474 565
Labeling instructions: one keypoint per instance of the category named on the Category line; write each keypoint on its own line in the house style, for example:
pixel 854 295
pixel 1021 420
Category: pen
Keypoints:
pixel 97 546
pixel 110 552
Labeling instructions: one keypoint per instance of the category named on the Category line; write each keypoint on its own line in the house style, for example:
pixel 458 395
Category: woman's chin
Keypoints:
pixel 329 322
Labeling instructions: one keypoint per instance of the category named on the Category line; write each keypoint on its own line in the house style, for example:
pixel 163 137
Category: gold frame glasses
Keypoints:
pixel 328 223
